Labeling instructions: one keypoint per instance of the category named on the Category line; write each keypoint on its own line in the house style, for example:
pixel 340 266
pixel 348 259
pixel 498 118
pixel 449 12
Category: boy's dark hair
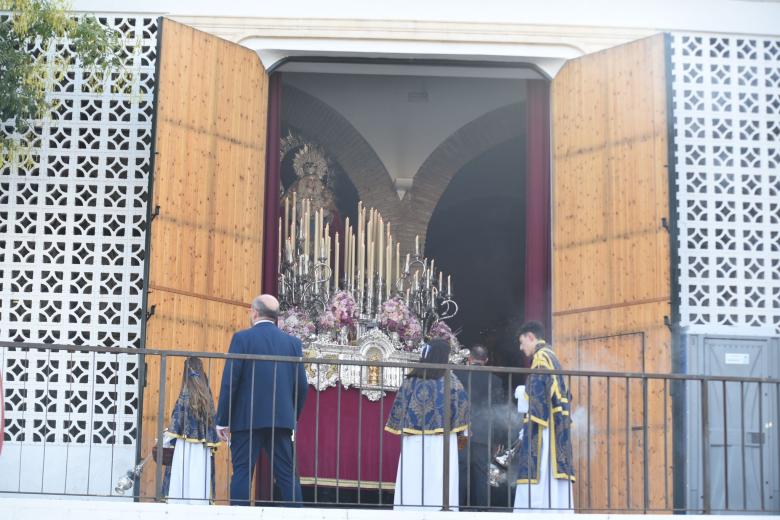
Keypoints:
pixel 534 327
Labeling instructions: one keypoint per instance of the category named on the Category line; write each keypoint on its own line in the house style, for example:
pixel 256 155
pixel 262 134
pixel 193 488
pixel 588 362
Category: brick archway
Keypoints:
pixel 462 146
pixel 347 146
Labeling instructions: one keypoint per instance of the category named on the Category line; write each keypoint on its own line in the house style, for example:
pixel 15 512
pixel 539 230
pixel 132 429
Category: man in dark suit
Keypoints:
pixel 260 402
pixel 486 394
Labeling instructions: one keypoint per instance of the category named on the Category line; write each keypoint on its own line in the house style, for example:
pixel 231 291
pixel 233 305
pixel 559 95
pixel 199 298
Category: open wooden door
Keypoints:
pixel 611 266
pixel 206 242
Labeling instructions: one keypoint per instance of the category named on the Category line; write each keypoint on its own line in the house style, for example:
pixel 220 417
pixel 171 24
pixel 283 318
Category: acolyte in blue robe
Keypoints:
pixel 186 427
pixel 549 406
pixel 419 407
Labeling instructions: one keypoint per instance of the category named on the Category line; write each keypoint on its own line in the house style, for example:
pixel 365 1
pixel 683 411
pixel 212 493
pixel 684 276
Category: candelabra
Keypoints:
pixel 304 281
pixel 427 301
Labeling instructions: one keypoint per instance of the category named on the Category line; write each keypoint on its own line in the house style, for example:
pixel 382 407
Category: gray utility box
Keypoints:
pixel 743 449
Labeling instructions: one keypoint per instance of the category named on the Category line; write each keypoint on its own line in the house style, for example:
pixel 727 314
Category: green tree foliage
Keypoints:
pixel 30 63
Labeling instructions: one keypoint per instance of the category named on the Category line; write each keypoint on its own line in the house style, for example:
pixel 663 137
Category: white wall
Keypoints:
pixel 28 509
pixel 405 133
pixel 741 16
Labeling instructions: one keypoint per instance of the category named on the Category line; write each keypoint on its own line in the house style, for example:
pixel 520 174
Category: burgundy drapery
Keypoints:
pixel 330 452
pixel 537 239
pixel 272 185
pixel 337 458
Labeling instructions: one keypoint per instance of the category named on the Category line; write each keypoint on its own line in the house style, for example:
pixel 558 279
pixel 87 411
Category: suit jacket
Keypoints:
pixel 247 399
pixel 488 400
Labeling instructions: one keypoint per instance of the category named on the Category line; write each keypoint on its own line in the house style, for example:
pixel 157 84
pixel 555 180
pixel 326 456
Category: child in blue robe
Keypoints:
pixel 192 432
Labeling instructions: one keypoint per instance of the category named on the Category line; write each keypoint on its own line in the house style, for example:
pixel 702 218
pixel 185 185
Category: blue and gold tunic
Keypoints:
pixel 549 403
pixel 419 407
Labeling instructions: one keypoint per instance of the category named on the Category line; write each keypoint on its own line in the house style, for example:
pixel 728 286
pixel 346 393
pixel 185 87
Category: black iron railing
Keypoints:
pixel 623 454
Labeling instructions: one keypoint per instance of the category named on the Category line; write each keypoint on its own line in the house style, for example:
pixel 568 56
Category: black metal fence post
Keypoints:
pixel 445 495
pixel 160 424
pixel 705 445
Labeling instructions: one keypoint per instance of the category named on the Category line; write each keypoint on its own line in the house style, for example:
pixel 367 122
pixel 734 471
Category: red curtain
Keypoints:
pixel 329 450
pixel 272 186
pixel 537 238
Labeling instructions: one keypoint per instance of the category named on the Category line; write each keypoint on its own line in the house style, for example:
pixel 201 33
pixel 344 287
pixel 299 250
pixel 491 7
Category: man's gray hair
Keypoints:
pixel 262 309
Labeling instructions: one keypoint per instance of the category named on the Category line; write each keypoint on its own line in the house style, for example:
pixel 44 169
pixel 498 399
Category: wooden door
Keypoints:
pixel 206 242
pixel 611 265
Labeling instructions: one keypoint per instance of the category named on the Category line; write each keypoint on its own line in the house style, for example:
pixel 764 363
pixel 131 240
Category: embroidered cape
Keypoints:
pixel 419 407
pixel 549 404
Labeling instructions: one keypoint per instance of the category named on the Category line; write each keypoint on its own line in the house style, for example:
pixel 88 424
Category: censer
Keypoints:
pixel 497 474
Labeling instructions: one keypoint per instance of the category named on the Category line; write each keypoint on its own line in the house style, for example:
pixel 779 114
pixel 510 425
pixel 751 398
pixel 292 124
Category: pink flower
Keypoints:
pixel 296 323
pixel 341 312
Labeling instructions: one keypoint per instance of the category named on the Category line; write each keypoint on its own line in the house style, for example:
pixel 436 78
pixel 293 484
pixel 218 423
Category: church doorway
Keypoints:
pixel 440 152
pixel 476 232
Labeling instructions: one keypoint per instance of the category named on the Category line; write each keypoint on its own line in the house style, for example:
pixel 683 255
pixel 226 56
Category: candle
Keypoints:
pixel 293 220
pixel 449 285
pixel 317 237
pixel 347 233
pixel 397 260
pixel 279 247
pixel 336 266
pixel 417 245
pixel 361 252
pixel 361 267
pixel 306 228
pixel 389 264
pixel 286 216
pixel 370 268
pixel 406 268
pixel 440 284
pixel 326 243
pixel 381 250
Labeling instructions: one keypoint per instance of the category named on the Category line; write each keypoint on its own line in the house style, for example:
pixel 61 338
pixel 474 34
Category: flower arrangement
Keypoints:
pixel 394 316
pixel 296 323
pixel 341 312
pixel 440 330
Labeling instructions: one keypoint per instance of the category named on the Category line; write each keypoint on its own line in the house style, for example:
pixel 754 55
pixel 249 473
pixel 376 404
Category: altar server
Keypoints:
pixel 544 459
pixel 418 415
pixel 190 477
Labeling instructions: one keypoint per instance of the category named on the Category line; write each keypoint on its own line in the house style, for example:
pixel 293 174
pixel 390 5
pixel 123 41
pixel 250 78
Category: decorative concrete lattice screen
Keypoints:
pixel 72 236
pixel 726 92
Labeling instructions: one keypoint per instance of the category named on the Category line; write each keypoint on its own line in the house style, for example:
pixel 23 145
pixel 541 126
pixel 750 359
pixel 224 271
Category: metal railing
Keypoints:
pixel 726 458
